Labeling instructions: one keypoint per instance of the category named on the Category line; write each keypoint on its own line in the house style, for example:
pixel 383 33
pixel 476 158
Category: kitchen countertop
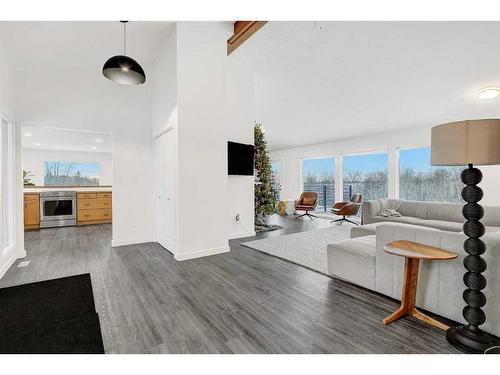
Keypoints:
pixel 39 189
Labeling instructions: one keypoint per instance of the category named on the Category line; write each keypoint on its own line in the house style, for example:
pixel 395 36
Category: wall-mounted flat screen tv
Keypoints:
pixel 240 159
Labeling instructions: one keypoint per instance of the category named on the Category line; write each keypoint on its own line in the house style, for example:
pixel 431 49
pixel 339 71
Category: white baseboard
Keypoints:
pixel 10 261
pixel 202 253
pixel 130 241
pixel 241 235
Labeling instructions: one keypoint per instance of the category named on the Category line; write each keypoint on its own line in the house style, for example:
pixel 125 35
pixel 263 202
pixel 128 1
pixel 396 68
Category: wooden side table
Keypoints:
pixel 413 252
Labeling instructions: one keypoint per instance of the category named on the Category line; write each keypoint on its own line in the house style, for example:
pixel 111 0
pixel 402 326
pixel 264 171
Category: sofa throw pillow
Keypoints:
pixel 308 201
pixel 390 213
pixel 389 207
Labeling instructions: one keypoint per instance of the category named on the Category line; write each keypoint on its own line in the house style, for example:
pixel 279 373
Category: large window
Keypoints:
pixel 365 174
pixel 276 171
pixel 419 181
pixel 71 174
pixel 318 175
pixel 7 185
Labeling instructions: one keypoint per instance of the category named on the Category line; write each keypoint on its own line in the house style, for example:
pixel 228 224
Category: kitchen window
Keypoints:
pixel 61 173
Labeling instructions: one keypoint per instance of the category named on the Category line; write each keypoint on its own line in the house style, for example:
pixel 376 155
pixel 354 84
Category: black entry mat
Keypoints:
pixel 52 316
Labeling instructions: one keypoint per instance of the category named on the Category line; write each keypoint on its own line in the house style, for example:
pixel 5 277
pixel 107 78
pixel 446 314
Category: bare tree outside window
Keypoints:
pixel 365 174
pixel 71 174
pixel 318 175
pixel 419 181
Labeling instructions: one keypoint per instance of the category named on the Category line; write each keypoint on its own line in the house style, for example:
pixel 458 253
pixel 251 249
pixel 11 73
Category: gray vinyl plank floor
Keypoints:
pixel 241 302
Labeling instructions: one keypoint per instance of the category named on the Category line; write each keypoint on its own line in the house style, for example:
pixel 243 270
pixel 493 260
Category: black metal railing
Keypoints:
pixel 347 193
pixel 369 189
pixel 326 192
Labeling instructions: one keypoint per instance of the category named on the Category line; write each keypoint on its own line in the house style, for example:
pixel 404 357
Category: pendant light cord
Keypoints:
pixel 125 39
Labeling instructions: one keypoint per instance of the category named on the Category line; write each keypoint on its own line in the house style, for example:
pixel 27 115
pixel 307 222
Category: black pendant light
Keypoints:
pixel 123 69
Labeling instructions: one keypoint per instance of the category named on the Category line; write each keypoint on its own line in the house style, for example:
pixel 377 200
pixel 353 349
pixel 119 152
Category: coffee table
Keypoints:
pixel 413 252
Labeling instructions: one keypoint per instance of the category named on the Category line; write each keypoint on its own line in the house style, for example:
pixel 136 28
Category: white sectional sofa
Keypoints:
pixel 362 261
pixel 444 216
pixel 354 260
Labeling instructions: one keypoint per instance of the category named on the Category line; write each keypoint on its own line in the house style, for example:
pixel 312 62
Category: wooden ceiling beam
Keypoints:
pixel 242 31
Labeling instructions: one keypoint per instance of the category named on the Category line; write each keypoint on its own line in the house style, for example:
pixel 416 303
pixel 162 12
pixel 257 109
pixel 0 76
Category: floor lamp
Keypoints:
pixel 468 143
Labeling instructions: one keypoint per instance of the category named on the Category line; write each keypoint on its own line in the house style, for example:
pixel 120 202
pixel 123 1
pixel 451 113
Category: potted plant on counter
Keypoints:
pixel 27 176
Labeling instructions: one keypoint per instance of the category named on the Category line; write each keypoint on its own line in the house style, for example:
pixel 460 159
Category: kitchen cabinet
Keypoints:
pixel 93 208
pixel 31 211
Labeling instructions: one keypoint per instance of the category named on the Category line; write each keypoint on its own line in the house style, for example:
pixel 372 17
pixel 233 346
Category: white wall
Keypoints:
pixel 33 160
pixel 206 105
pixel 6 85
pixel 82 99
pixel 164 83
pixel 7 110
pixel 164 116
pixel 202 138
pixel 292 161
pixel 240 100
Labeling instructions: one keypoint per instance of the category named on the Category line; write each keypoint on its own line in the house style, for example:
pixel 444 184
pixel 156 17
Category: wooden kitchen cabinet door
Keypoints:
pixel 31 212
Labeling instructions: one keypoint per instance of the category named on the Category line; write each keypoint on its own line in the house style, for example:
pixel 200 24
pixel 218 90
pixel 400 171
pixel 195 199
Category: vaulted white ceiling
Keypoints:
pixel 46 45
pixel 314 81
pixel 322 81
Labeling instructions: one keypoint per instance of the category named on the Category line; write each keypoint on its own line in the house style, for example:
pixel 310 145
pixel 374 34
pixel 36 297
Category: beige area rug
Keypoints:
pixel 305 248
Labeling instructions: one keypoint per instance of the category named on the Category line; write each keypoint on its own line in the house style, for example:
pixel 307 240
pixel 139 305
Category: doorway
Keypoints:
pixel 67 182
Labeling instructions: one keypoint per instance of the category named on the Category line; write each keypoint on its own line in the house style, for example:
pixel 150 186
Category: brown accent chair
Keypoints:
pixel 307 202
pixel 350 208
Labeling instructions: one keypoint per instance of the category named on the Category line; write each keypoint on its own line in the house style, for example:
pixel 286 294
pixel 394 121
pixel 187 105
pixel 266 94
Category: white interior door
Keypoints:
pixel 170 184
pixel 160 191
pixel 165 189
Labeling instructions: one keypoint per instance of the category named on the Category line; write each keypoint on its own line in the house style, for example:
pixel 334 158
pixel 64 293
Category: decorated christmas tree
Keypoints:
pixel 265 189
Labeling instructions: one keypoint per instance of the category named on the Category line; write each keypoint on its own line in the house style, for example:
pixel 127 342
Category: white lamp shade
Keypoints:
pixel 466 142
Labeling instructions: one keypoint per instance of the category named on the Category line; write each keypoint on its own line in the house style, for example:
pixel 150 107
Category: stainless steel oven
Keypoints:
pixel 57 209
